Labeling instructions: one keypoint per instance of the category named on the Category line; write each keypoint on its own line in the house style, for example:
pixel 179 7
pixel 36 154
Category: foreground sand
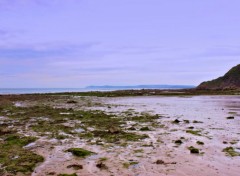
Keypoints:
pixel 159 153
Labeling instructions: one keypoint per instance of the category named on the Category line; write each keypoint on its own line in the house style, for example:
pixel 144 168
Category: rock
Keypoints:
pixel 72 102
pixel 132 128
pixel 160 162
pixel 178 142
pixel 176 121
pixel 4 131
pixel 193 150
pixel 200 143
pixel 51 173
pixel 144 129
pixel 186 121
pixel 114 130
pixel 230 117
pixel 101 166
pixel 75 166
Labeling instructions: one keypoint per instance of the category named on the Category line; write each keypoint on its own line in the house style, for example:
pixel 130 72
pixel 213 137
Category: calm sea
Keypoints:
pixel 39 90
pixel 57 90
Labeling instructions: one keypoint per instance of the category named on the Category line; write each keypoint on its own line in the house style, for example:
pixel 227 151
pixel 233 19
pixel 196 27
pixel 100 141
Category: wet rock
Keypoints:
pixel 160 162
pixel 195 121
pixel 163 162
pixel 144 129
pixel 114 130
pixel 4 131
pixel 132 128
pixel 193 150
pixel 230 151
pixel 200 143
pixel 178 142
pixel 176 121
pixel 186 121
pixel 72 102
pixel 80 152
pixel 75 166
pixel 101 166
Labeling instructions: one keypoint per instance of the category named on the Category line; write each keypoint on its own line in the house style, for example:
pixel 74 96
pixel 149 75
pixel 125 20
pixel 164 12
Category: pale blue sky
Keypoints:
pixel 75 43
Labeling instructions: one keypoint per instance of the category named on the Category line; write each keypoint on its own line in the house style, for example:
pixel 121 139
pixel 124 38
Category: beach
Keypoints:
pixel 141 135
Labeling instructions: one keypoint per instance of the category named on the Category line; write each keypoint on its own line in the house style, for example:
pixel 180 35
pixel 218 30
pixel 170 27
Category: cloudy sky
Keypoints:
pixel 75 43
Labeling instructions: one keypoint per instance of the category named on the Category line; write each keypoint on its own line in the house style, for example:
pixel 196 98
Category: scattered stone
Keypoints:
pixel 200 143
pixel 234 142
pixel 75 166
pixel 101 166
pixel 132 128
pixel 176 121
pixel 193 150
pixel 178 142
pixel 160 162
pixel 186 121
pixel 144 129
pixel 4 131
pixel 197 132
pixel 195 121
pixel 114 130
pixel 72 102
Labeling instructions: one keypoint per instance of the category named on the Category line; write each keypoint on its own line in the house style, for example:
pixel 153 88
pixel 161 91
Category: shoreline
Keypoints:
pixel 138 92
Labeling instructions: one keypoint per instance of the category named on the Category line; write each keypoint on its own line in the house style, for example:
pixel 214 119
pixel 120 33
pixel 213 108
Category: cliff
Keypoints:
pixel 231 80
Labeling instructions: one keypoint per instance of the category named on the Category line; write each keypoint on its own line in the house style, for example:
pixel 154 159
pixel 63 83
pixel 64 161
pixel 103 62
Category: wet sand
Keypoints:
pixel 157 155
pixel 210 110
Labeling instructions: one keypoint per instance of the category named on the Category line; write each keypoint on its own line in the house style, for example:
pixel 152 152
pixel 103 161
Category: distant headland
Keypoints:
pixel 109 87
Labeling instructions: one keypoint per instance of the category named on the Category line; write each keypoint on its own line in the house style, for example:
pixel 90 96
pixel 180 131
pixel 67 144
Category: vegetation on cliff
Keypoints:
pixel 231 80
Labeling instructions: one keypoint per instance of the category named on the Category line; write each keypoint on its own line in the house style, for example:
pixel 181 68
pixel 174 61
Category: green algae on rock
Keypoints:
pixel 79 152
pixel 14 158
pixel 230 151
pixel 193 150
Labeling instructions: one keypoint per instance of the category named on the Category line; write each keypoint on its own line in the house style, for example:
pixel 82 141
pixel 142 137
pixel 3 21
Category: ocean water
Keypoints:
pixel 39 90
pixel 58 90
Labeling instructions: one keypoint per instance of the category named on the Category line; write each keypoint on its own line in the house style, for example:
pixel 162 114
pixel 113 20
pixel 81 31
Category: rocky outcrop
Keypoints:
pixel 231 80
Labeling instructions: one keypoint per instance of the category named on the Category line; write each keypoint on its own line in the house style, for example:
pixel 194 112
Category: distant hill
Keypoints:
pixel 108 87
pixel 231 80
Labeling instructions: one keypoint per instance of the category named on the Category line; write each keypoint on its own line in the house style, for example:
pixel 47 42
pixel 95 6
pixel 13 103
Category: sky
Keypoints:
pixel 76 43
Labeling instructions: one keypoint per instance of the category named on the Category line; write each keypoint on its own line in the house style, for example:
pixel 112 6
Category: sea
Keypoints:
pixel 4 91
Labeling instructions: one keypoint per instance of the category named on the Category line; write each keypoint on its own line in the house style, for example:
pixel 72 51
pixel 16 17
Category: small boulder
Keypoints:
pixel 101 166
pixel 114 130
pixel 176 121
pixel 160 162
pixel 75 166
